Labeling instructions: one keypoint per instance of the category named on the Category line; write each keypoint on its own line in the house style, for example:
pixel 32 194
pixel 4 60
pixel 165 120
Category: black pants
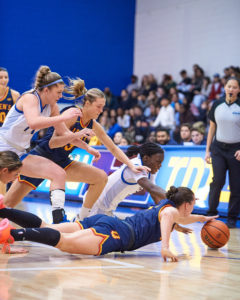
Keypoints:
pixel 222 160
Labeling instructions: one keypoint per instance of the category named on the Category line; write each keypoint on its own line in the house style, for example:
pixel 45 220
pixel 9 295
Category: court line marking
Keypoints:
pixel 117 265
pixel 208 256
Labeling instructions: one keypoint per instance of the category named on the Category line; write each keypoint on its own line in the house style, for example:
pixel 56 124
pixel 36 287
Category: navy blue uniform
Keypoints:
pixel 6 102
pixel 133 232
pixel 58 155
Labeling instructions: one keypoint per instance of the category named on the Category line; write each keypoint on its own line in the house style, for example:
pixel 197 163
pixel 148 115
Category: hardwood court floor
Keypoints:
pixel 47 273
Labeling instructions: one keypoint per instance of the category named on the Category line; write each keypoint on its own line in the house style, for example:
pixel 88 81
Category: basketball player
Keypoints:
pixel 7 96
pixel 101 234
pixel 7 99
pixel 54 147
pixel 124 182
pixel 34 110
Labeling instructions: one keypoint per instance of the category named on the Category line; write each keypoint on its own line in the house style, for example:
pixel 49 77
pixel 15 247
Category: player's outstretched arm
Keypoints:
pixel 167 219
pixel 195 218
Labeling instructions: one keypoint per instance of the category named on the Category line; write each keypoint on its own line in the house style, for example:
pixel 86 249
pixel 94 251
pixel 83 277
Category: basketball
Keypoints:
pixel 215 234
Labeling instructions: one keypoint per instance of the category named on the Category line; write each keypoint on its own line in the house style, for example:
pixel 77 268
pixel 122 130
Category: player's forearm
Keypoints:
pixel 44 122
pixel 166 227
pixel 157 193
pixel 191 219
pixel 80 144
pixel 60 141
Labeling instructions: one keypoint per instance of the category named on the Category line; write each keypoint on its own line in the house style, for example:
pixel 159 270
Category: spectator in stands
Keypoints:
pixel 151 137
pixel 185 114
pixel 175 103
pixel 152 82
pixel 113 113
pixel 142 130
pixel 163 137
pixel 114 127
pixel 161 92
pixel 133 98
pixel 123 119
pixel 198 137
pixel 151 113
pixel 152 98
pixel 216 88
pixel 185 84
pixel 226 73
pixel 145 85
pixel 165 116
pixel 111 100
pixel 124 100
pixel 167 82
pixel 133 85
pixel 173 90
pixel 200 97
pixel 185 134
pixel 197 81
pixel 142 101
pixel 117 138
pixel 124 142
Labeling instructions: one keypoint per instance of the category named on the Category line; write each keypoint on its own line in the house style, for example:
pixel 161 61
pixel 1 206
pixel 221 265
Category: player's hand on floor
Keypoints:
pixel 166 253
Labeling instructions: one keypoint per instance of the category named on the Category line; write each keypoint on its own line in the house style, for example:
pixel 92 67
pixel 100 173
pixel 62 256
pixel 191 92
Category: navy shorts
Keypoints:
pixel 35 182
pixel 116 234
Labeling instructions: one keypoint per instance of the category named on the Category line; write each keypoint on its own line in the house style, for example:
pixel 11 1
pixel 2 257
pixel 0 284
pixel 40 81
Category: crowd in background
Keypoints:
pixel 166 112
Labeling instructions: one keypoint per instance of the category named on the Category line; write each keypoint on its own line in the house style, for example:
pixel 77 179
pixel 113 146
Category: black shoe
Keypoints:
pixel 231 223
pixel 58 215
pixel 210 214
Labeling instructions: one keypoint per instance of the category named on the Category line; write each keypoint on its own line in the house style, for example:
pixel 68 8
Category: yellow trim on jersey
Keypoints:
pixel 69 165
pixel 28 183
pixel 104 236
pixel 5 95
pixel 81 123
pixel 161 209
pixel 80 224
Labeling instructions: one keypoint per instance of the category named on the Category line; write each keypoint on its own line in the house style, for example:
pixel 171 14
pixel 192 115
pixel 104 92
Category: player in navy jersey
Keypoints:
pixel 100 234
pixel 7 96
pixel 57 149
pixel 7 99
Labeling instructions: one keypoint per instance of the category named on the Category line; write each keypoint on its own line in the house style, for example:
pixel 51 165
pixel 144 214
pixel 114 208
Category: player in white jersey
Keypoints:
pixel 124 182
pixel 15 133
pixel 33 111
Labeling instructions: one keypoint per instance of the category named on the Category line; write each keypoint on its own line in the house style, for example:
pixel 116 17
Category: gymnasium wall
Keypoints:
pixel 172 35
pixel 90 39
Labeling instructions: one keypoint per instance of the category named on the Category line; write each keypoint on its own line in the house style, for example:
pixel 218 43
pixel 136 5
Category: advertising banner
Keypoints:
pixel 182 166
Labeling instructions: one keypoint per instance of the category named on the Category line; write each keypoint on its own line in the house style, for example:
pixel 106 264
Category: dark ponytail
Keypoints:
pixel 148 149
pixel 132 151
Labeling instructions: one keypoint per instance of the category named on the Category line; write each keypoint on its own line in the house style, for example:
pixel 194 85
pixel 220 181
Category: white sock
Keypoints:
pixel 57 198
pixel 84 213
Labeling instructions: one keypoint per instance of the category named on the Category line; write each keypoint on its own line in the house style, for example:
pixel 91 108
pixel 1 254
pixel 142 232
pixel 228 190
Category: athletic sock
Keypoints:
pixel 20 217
pixel 47 236
pixel 84 213
pixel 57 198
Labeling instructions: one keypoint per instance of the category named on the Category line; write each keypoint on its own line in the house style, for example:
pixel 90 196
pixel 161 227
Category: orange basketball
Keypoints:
pixel 215 234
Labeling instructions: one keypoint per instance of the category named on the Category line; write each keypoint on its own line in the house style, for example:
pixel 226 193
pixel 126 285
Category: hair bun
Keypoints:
pixel 171 192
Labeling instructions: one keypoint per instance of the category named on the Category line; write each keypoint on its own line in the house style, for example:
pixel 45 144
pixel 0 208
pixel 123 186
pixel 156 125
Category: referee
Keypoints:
pixel 225 149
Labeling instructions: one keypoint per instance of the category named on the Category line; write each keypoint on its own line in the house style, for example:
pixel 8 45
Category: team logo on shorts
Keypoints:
pixel 115 235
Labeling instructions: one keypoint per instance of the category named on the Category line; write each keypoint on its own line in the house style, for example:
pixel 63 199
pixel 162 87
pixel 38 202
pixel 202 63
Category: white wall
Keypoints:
pixel 171 35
